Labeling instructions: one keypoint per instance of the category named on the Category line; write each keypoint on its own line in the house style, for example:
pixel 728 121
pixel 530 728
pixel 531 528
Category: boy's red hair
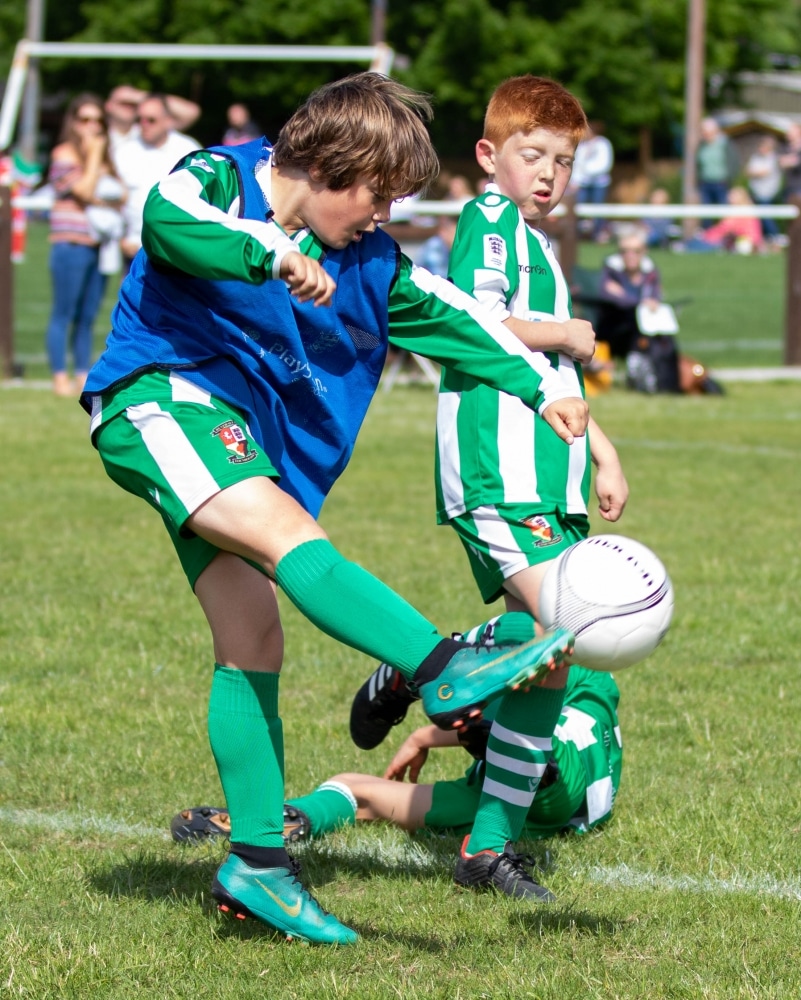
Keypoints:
pixel 524 103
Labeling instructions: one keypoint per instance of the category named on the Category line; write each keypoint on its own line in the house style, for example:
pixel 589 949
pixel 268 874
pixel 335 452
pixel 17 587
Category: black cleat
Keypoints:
pixel 297 825
pixel 504 872
pixel 380 703
pixel 200 823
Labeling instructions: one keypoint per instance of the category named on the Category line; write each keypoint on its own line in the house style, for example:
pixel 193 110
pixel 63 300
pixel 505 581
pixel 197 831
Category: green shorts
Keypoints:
pixel 454 804
pixel 503 539
pixel 176 453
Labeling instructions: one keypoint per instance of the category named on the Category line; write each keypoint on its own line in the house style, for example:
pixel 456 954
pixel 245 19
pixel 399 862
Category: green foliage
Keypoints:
pixel 624 58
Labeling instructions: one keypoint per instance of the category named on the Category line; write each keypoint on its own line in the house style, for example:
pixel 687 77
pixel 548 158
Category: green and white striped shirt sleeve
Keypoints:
pixel 430 316
pixel 191 223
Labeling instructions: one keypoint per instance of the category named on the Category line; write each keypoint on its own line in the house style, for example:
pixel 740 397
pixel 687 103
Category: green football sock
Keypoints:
pixel 348 603
pixel 247 741
pixel 518 752
pixel 329 807
pixel 510 627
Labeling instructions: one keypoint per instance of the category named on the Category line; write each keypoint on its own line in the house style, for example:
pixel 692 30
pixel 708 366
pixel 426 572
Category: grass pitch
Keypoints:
pixel 692 890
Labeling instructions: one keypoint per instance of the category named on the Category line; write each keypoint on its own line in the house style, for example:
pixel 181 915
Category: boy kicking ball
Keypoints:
pixel 576 793
pixel 515 492
pixel 246 345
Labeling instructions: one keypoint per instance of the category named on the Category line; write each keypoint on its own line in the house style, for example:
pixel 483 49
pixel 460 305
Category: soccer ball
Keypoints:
pixel 614 594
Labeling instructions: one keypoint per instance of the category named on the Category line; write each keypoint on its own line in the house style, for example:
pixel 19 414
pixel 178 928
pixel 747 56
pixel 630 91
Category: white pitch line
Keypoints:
pixel 64 822
pixel 759 885
pixel 417 855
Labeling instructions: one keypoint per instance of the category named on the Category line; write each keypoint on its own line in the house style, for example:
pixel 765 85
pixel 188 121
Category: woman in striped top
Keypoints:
pixel 82 220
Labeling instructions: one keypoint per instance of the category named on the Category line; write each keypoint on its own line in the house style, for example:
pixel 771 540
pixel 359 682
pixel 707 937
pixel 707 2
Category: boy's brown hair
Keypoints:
pixel 524 103
pixel 363 125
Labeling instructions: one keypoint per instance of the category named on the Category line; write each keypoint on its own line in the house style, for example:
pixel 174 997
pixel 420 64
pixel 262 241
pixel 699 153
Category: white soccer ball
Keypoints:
pixel 614 594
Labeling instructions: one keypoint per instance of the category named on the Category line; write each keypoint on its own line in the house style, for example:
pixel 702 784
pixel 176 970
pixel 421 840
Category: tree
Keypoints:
pixel 623 58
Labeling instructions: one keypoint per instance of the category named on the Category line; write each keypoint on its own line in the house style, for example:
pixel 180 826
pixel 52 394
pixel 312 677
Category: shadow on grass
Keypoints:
pixel 549 920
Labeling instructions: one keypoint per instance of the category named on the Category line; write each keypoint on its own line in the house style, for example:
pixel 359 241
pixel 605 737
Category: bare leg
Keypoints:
pixel 398 802
pixel 256 519
pixel 242 611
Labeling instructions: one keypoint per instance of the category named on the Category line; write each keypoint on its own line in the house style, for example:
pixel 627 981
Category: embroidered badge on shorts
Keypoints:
pixel 235 440
pixel 541 530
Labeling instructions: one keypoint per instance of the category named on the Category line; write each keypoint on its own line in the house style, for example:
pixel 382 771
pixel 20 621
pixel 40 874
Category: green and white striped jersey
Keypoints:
pixel 192 224
pixel 490 448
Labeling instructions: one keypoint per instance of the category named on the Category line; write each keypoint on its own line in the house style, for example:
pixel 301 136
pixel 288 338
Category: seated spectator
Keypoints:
pixel 740 234
pixel 629 277
pixel 659 230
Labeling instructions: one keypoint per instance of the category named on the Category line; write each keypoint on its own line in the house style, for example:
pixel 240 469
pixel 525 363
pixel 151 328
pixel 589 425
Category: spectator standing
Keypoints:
pixel 145 160
pixel 592 175
pixel 717 164
pixel 122 108
pixel 241 127
pixel 790 162
pixel 764 174
pixel 87 198
pixel 435 252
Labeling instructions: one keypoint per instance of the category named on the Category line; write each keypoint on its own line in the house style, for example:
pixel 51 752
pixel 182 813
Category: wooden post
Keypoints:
pixel 6 286
pixel 792 329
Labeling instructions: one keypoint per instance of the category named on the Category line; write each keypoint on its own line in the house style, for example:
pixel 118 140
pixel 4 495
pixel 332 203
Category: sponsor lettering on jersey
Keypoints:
pixel 531 269
pixel 201 165
pixel 541 530
pixel 235 440
pixel 495 252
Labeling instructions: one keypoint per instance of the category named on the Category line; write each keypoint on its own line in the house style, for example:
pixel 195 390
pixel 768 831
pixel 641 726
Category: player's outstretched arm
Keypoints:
pixel 568 417
pixel 611 487
pixel 574 337
pixel 413 752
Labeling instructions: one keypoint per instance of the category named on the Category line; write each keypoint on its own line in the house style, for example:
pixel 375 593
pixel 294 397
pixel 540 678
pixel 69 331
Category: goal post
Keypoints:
pixel 378 57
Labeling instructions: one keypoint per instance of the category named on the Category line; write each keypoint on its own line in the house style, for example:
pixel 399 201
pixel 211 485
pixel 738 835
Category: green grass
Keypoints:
pixel 691 891
pixel 735 316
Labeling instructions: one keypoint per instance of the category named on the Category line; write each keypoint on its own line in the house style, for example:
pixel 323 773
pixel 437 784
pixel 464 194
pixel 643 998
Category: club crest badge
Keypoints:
pixel 542 531
pixel 235 440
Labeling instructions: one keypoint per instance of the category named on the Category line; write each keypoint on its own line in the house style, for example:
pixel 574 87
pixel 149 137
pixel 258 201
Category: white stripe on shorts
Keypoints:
pixel 171 450
pixel 496 534
pixel 184 391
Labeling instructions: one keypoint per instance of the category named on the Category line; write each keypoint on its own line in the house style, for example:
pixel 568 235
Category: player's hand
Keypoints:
pixel 568 417
pixel 612 491
pixel 579 340
pixel 410 758
pixel 306 279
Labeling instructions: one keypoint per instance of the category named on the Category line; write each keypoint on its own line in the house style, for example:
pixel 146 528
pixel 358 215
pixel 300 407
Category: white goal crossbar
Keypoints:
pixel 379 57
